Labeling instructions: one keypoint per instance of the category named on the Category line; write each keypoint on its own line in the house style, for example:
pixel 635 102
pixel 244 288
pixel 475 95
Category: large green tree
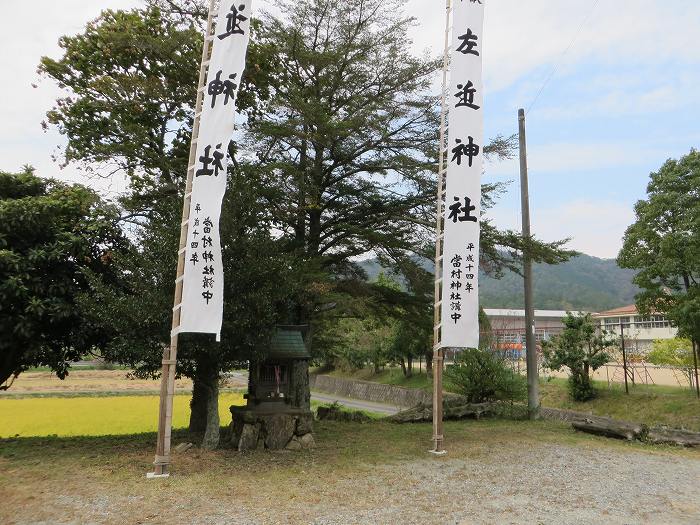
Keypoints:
pixel 340 146
pixel 131 81
pixel 347 144
pixel 664 245
pixel 52 236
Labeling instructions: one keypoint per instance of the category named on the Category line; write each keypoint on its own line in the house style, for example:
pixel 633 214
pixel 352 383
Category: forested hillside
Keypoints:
pixel 584 283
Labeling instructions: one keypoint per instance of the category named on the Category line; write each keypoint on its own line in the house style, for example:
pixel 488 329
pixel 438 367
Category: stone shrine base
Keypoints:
pixel 253 429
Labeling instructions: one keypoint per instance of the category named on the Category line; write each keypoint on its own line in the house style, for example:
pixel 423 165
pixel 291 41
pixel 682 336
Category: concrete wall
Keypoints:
pixel 375 392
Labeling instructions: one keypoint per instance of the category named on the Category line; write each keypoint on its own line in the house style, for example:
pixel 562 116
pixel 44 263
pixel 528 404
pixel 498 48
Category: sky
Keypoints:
pixel 621 98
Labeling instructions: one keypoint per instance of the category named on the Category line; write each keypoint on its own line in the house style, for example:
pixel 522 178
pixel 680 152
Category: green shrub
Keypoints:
pixel 484 375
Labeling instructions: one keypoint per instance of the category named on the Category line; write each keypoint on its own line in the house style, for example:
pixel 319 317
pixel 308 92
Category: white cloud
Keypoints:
pixel 575 157
pixel 594 227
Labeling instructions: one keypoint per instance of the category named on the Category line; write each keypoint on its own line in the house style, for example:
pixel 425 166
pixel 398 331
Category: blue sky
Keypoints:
pixel 624 98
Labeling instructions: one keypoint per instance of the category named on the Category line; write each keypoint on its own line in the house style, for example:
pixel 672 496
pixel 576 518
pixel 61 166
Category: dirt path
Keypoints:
pixel 495 472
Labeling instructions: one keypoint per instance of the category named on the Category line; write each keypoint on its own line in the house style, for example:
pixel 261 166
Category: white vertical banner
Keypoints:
pixel 465 100
pixel 203 286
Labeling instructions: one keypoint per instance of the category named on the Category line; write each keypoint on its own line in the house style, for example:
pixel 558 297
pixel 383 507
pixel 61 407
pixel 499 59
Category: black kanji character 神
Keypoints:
pixel 233 22
pixel 470 149
pixel 222 87
pixel 465 96
pixel 207 257
pixel 206 160
pixel 455 285
pixel 468 44
pixel 466 211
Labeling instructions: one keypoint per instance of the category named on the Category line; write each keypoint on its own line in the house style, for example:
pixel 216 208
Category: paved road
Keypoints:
pixel 241 379
pixel 356 404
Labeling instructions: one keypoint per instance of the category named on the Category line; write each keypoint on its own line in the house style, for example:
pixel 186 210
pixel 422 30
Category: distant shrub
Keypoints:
pixel 484 375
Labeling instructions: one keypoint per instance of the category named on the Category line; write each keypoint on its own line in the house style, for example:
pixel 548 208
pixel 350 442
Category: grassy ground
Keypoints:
pixel 388 376
pixel 101 479
pixel 650 404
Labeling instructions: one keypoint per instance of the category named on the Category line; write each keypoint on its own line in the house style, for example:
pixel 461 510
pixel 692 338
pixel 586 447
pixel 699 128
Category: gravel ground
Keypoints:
pixel 543 484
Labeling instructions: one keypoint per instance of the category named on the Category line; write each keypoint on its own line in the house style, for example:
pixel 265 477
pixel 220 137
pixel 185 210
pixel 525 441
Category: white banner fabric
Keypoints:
pixel 465 100
pixel 203 287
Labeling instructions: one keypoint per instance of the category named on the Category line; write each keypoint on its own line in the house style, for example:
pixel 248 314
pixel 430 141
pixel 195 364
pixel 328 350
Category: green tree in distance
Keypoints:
pixel 677 352
pixel 581 350
pixel 52 235
pixel 664 245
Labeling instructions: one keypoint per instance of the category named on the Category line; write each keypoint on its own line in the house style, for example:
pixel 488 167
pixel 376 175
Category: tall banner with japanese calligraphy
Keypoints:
pixel 460 263
pixel 203 286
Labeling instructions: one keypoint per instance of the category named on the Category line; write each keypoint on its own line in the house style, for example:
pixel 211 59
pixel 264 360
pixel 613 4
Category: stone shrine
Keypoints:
pixel 277 414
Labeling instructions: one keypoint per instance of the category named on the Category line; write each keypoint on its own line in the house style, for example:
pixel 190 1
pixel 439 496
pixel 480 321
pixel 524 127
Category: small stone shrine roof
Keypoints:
pixel 288 343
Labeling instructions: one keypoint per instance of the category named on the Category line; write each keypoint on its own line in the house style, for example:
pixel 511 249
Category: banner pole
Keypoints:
pixel 167 381
pixel 438 352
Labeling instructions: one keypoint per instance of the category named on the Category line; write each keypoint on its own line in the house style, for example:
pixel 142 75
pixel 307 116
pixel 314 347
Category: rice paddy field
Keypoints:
pixel 95 415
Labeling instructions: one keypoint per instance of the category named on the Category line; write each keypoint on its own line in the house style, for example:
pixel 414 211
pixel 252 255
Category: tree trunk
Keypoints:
pixel 429 362
pixel 403 367
pixel 208 373
pixel 198 406
pixel 410 366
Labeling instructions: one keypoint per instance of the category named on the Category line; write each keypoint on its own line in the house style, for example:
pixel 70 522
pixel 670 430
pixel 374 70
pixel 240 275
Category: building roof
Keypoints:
pixel 616 312
pixel 288 344
pixel 507 312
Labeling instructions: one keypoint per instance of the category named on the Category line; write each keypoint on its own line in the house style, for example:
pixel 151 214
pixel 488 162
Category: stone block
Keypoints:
pixel 307 441
pixel 294 444
pixel 248 439
pixel 305 424
pixel 278 430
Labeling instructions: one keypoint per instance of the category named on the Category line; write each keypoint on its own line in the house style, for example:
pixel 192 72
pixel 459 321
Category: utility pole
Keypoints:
pixel 624 355
pixel 533 394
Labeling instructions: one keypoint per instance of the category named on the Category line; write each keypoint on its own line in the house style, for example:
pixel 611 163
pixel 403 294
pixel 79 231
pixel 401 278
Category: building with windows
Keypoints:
pixel 508 326
pixel 640 331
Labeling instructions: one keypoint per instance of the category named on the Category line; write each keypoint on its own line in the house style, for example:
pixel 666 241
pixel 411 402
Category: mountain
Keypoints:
pixel 583 283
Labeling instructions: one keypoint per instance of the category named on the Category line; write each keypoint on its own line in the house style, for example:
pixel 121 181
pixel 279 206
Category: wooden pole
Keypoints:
pixel 624 355
pixel 438 352
pixel 167 381
pixel 533 394
pixel 696 350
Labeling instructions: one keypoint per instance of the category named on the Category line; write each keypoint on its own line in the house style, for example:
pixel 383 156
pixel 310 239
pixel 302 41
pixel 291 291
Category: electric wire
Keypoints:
pixel 555 68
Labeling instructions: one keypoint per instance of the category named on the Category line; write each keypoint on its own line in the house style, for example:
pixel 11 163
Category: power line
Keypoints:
pixel 558 63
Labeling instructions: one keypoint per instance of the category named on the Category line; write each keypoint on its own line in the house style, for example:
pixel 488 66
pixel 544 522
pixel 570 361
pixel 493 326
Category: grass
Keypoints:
pixel 649 404
pixel 388 376
pixel 94 416
pixel 83 459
